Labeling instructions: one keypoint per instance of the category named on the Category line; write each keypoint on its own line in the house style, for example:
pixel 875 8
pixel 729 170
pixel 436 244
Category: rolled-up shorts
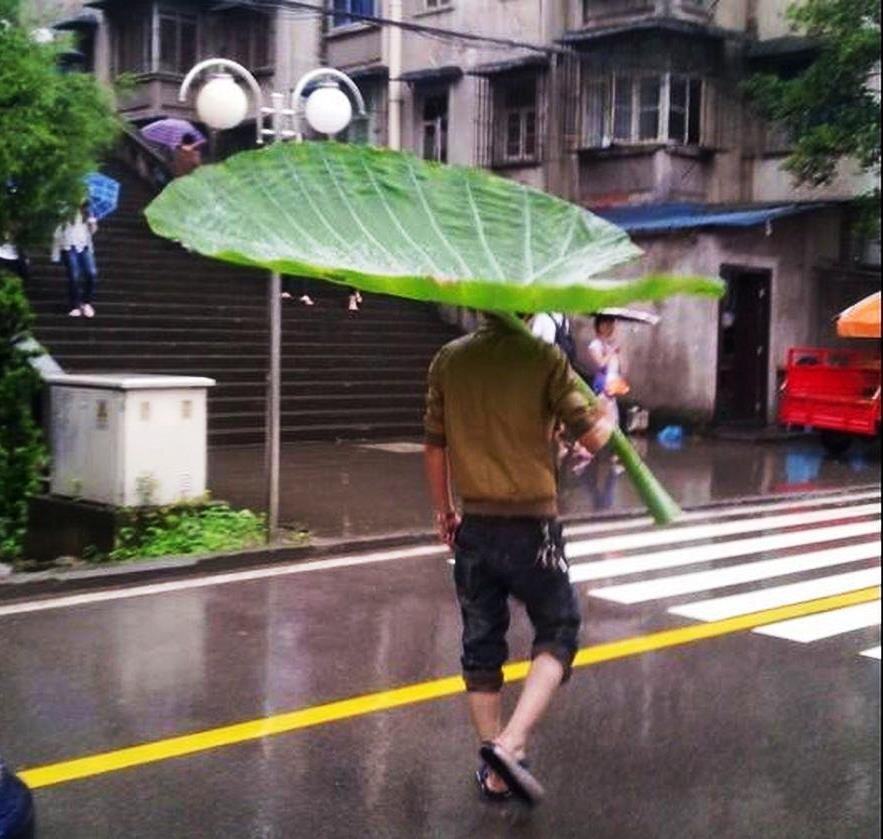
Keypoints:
pixel 495 558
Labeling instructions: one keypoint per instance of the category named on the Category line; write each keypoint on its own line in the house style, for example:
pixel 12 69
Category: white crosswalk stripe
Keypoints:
pixel 649 553
pixel 676 534
pixel 713 514
pixel 735 574
pixel 621 566
pixel 720 608
pixel 826 624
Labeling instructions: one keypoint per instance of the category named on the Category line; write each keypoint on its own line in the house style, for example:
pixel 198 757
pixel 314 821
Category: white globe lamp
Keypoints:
pixel 222 103
pixel 328 110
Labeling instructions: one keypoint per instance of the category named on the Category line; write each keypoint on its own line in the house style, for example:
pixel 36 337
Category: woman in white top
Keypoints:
pixel 72 244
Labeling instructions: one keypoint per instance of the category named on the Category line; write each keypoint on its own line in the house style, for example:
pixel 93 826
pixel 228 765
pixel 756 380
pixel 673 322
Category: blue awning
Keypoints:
pixel 687 216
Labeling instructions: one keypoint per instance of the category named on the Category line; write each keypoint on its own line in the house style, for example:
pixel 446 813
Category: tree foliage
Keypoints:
pixel 21 449
pixel 54 127
pixel 831 109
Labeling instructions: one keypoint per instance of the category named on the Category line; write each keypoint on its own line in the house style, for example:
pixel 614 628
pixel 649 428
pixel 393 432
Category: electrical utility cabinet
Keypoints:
pixel 129 440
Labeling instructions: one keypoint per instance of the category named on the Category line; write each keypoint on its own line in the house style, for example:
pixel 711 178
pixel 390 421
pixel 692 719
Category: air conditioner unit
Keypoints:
pixel 128 439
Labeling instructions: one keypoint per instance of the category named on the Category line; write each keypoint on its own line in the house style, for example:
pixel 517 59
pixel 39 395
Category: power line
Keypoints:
pixel 409 26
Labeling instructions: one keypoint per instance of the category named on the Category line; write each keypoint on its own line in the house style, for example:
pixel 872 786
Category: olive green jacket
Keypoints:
pixel 494 398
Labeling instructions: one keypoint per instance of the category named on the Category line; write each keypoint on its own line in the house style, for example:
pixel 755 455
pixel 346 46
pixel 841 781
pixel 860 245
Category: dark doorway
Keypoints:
pixel 743 346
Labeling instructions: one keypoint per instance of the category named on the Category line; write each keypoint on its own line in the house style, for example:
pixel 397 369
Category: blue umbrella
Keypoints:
pixel 104 194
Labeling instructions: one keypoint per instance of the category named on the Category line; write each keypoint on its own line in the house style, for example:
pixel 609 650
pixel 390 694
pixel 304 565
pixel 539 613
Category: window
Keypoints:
pixel 623 87
pixel 519 122
pixel 177 42
pixel 648 90
pixel 437 4
pixel 684 110
pixel 643 109
pixel 246 38
pixel 359 7
pixel 598 129
pixel 435 128
pixel 133 46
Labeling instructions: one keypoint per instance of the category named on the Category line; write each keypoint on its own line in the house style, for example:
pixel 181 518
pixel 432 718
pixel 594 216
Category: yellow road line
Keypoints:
pixel 98 764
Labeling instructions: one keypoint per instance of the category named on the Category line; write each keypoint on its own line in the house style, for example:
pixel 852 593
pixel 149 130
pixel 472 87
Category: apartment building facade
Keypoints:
pixel 632 108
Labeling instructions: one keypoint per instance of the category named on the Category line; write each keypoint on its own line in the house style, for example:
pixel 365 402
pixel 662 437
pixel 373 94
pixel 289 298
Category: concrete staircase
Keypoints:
pixel 161 309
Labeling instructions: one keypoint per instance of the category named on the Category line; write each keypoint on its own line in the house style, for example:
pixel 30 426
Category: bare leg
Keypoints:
pixel 485 708
pixel 545 675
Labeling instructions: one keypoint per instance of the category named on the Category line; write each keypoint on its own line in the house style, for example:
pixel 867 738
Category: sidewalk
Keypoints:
pixel 362 490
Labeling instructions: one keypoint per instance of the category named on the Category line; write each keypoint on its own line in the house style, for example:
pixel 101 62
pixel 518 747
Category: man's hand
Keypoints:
pixel 597 436
pixel 446 524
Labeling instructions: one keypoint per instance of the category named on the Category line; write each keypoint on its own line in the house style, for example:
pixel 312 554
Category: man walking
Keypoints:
pixel 494 398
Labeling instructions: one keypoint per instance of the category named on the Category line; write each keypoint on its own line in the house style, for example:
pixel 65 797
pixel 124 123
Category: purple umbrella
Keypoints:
pixel 168 132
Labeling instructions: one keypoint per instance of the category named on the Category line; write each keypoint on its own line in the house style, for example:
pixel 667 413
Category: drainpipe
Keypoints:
pixel 394 115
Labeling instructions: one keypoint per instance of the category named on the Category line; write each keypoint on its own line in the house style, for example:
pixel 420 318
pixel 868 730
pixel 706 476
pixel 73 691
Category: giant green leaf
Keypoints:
pixel 388 222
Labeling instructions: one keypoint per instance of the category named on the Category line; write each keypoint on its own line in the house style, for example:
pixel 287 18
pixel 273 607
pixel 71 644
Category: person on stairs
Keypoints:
pixel 354 298
pixel 187 156
pixel 72 245
pixel 296 287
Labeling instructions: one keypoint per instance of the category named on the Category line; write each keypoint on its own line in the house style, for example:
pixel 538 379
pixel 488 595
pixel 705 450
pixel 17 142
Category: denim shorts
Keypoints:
pixel 496 557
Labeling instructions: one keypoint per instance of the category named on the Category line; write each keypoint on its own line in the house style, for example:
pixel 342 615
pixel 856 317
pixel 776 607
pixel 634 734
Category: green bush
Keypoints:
pixel 55 128
pixel 22 454
pixel 187 529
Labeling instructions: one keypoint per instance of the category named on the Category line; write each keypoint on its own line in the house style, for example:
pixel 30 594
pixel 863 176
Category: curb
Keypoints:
pixel 29 585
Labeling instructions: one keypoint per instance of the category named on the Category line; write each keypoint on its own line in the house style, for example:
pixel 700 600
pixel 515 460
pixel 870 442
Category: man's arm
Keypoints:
pixel 587 422
pixel 435 454
pixel 435 460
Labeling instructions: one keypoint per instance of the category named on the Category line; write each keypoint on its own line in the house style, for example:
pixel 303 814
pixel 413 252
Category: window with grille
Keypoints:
pixel 177 42
pixel 435 128
pixel 631 108
pixel 343 7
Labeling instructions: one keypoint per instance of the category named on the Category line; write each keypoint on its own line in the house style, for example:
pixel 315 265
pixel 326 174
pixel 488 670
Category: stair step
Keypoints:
pixel 327 431
pixel 296 376
pixel 235 405
pixel 318 389
pixel 315 416
pixel 301 332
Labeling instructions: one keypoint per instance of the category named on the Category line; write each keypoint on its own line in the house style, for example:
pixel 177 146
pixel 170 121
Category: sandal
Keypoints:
pixel 513 773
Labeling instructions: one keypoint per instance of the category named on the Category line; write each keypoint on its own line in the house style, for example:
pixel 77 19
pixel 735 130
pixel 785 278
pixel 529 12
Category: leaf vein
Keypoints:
pixel 438 231
pixel 479 224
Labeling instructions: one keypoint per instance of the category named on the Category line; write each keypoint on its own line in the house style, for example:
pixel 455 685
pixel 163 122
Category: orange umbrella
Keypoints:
pixel 861 320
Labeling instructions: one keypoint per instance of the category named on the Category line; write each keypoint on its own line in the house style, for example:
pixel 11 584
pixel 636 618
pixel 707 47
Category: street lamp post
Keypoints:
pixel 222 104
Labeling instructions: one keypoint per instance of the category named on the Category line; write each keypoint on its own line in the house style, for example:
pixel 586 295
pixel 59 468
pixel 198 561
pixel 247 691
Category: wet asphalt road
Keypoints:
pixel 743 735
